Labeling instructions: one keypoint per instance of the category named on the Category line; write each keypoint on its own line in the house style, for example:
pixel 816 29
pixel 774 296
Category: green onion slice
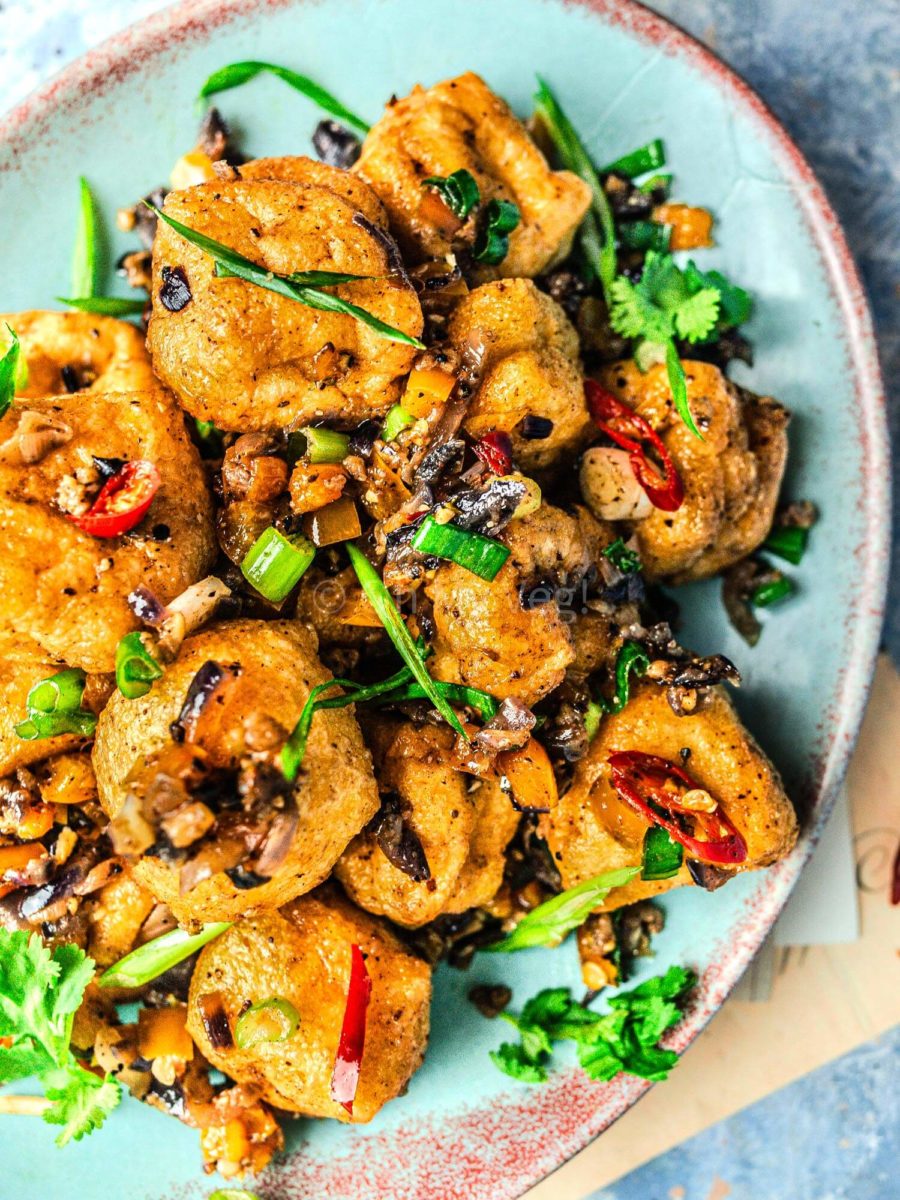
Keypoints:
pixel 645 235
pixel 678 384
pixel 11 370
pixel 459 191
pixel 104 306
pixel 274 563
pixel 136 668
pixel 483 556
pixel 639 161
pixel 498 219
pixel 656 183
pixel 84 259
pixel 53 707
pixel 662 857
pixel 271 1020
pixel 623 559
pixel 395 422
pixel 237 73
pixel 598 234
pixel 153 958
pixel 303 286
pixel 631 660
pixel 318 445
pixel 788 542
pixel 593 715
pixel 228 1193
pixel 456 693
pixel 771 593
pixel 549 923
pixel 383 603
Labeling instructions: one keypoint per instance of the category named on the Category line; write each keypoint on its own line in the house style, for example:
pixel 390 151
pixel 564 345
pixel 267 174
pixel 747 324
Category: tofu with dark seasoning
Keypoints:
pixel 245 358
pixel 65 588
pixel 461 827
pixel 591 829
pixel 532 382
pixel 461 124
pixel 335 796
pixel 302 954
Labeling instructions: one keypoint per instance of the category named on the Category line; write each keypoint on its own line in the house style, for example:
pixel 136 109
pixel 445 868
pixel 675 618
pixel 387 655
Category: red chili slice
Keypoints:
pixel 345 1077
pixel 495 451
pixel 640 780
pixel 122 501
pixel 629 430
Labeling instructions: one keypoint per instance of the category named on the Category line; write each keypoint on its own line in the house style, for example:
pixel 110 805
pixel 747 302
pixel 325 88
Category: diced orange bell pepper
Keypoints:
pixel 426 388
pixel 35 822
pixel 16 858
pixel 162 1033
pixel 530 775
pixel 313 486
pixel 691 227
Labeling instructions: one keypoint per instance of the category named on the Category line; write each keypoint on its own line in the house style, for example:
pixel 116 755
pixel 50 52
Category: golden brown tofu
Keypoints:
pixel 245 358
pixel 458 124
pixel 24 663
pixel 71 351
pixel 731 478
pixel 464 857
pixel 115 918
pixel 302 954
pixel 66 588
pixel 485 637
pixel 335 795
pixel 531 369
pixel 309 171
pixel 592 830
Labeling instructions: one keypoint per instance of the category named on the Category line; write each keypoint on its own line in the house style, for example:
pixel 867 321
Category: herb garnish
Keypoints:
pixel 12 374
pixel 549 923
pixel 459 191
pixel 84 260
pixel 159 955
pixel 53 706
pixel 303 286
pixel 497 221
pixel 40 990
pixel 622 1041
pixel 104 306
pixel 631 660
pixel 624 560
pixel 237 73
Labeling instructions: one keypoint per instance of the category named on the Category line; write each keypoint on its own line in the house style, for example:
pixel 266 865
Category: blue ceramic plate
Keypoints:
pixel 122 116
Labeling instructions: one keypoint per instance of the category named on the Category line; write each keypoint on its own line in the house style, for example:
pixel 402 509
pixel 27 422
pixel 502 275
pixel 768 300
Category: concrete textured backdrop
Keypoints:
pixel 831 73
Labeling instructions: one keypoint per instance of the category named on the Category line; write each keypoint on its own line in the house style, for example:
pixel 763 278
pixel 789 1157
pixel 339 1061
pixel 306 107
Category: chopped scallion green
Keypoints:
pixel 483 556
pixel 459 191
pixel 631 660
pixel 136 668
pixel 13 371
pixel 271 1020
pixel 275 563
pixel 153 958
pixel 662 857
pixel 53 707
pixel 84 259
pixel 645 235
pixel 395 422
pixel 549 923
pixel 498 219
pixel 104 306
pixel 772 592
pixel 788 542
pixel 319 445
pixel 645 158
pixel 656 183
pixel 237 73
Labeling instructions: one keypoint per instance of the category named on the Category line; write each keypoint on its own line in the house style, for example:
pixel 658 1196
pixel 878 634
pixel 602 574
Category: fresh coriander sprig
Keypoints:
pixel 237 73
pixel 303 286
pixel 623 1041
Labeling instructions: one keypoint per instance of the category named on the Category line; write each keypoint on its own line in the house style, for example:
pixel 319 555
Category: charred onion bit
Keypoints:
pixel 398 841
pixel 345 1077
pixel 215 1020
pixel 208 680
pixel 122 501
pixel 495 451
pixel 630 431
pixel 648 783
pixel 175 293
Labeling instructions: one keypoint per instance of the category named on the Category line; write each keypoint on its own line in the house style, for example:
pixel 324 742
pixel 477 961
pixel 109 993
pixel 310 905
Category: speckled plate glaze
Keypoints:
pixel 122 115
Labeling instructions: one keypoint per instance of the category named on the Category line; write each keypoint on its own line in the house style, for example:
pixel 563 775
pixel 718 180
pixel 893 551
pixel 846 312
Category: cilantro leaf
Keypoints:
pixel 512 1060
pixel 634 314
pixel 735 305
pixel 695 317
pixel 81 1103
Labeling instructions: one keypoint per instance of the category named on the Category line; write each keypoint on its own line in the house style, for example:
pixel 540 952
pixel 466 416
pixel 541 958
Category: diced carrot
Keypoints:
pixel 691 227
pixel 16 858
pixel 162 1033
pixel 426 388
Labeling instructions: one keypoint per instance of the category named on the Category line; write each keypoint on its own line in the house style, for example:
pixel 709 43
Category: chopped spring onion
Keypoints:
pixel 229 1193
pixel 593 715
pixel 549 923
pixel 631 660
pixel 623 559
pixel 104 306
pixel 498 219
pixel 598 232
pixel 383 603
pixel 319 445
pixel 84 259
pixel 639 161
pixel 645 235
pixel 395 422
pixel 13 370
pixel 788 542
pixel 53 707
pixel 136 668
pixel 459 191
pixel 237 73
pixel 662 857
pixel 303 286
pixel 456 693
pixel 272 1020
pixel 153 958
pixel 770 593
pixel 656 183
pixel 483 556
pixel 275 563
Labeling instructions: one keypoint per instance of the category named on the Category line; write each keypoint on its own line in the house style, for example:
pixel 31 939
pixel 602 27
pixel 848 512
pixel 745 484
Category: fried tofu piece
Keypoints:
pixel 302 954
pixel 310 172
pixel 336 793
pixel 462 124
pixel 531 369
pixel 115 918
pixel 464 857
pixel 245 358
pixel 75 351
pixel 592 830
pixel 24 663
pixel 731 478
pixel 65 588
pixel 486 637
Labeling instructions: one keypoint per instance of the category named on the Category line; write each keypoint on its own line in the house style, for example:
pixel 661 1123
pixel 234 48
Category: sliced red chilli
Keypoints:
pixel 631 432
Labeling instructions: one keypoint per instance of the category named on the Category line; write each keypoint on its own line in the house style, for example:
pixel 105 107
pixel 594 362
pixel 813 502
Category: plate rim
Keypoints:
pixel 127 52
